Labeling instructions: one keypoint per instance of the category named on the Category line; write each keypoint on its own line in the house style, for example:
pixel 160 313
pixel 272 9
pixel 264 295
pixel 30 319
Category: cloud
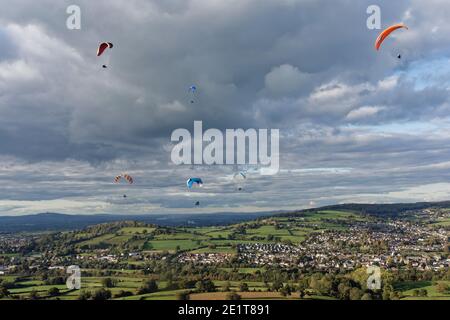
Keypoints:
pixel 363 112
pixel 355 124
pixel 285 79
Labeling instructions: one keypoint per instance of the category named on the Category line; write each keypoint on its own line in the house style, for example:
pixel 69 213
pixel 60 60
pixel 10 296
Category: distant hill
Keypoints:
pixel 387 209
pixel 58 222
pixel 376 210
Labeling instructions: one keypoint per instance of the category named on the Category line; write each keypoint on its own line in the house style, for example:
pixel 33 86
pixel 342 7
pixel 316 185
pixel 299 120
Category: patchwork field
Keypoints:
pixel 129 245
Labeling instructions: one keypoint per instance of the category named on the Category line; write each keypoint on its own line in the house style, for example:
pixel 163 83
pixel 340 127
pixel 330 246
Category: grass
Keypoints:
pixel 225 249
pixel 136 230
pixel 268 230
pixel 243 270
pixel 443 222
pixel 408 288
pixel 97 240
pixel 180 236
pixel 244 296
pixel 258 290
pixel 171 245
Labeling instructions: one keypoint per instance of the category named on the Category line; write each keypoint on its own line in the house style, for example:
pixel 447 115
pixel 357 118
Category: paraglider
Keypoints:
pixel 102 48
pixel 192 91
pixel 194 182
pixel 125 177
pixel 239 179
pixel 386 33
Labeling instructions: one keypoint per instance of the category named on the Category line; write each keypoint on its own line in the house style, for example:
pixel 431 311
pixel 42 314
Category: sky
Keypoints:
pixel 356 125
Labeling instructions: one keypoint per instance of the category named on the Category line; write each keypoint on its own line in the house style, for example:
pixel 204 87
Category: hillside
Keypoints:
pixel 58 222
pixel 269 257
pixel 142 236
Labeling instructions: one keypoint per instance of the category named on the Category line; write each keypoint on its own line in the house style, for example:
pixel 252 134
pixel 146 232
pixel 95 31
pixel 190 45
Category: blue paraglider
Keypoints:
pixel 192 91
pixel 194 181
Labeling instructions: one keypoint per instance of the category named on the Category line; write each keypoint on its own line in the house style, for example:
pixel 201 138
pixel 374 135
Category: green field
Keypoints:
pixel 408 288
pixel 171 245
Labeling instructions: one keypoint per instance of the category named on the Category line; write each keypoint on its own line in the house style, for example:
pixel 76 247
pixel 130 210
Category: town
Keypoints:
pixel 324 242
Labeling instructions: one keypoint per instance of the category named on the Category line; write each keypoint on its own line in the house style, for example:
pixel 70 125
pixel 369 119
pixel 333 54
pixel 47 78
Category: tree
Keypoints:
pixel 123 293
pixel 387 290
pixel 442 287
pixel 101 294
pixel 109 282
pixel 149 286
pixel 301 294
pixel 395 296
pixel 355 294
pixel 205 286
pixel 423 292
pixel 344 291
pixel 277 285
pixel 286 291
pixel 184 295
pixel 4 292
pixel 53 292
pixel 33 295
pixel 233 296
pixel 243 287
pixel 186 284
pixel 367 296
pixel 85 295
pixel 226 286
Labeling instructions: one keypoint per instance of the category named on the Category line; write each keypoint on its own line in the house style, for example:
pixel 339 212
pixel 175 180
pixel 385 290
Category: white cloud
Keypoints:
pixel 363 112
pixel 285 79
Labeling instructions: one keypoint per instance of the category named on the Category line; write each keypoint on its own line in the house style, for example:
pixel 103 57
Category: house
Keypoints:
pixel 3 270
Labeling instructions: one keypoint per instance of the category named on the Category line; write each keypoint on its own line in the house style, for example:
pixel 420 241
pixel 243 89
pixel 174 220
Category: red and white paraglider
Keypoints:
pixel 124 177
pixel 102 48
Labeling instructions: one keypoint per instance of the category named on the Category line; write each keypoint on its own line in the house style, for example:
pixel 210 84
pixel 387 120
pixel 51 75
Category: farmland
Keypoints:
pixel 295 256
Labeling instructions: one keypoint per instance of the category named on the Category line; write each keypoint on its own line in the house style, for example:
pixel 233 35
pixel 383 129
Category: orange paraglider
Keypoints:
pixel 383 35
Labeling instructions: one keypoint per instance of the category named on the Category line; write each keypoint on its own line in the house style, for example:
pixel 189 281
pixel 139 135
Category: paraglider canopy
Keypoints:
pixel 126 177
pixel 103 46
pixel 385 33
pixel 194 181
